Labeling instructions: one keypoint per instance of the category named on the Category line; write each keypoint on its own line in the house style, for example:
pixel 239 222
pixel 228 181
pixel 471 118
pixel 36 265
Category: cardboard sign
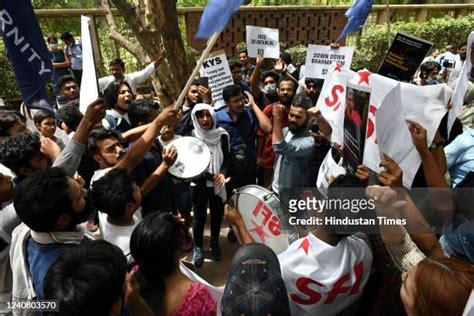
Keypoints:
pixel 216 68
pixel 319 59
pixel 329 169
pixel 263 40
pixel 404 57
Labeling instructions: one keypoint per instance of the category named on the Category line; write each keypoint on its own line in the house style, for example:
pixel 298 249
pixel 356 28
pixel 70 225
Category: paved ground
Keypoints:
pixel 214 272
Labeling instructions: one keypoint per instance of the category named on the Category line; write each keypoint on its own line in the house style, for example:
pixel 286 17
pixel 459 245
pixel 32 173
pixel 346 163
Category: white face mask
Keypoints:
pixel 270 88
pixel 53 46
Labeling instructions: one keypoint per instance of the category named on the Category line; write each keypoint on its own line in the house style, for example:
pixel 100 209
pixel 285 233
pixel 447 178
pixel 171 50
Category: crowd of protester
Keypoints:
pixel 109 167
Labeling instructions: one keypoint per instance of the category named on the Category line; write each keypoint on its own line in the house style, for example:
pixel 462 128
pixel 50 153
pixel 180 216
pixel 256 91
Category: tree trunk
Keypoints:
pixel 174 71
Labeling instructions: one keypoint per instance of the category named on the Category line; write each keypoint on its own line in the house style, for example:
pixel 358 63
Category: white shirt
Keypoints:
pixel 315 273
pixel 133 78
pixel 119 235
pixel 114 113
pixel 99 173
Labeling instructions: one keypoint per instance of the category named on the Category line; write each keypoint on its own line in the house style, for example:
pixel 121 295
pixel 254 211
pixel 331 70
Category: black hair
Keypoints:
pixel 112 192
pixel 346 181
pixel 52 37
pixel 271 73
pixel 301 100
pixel 112 92
pixel 295 83
pixel 428 67
pixel 8 119
pixel 286 57
pixel 347 187
pixel 315 81
pixel 40 116
pixel 234 63
pixel 42 197
pixel 231 91
pixel 67 36
pixel 70 114
pixel 65 79
pixel 195 82
pixel 87 279
pixel 462 44
pixel 17 151
pixel 117 61
pixel 243 50
pixel 140 111
pixel 101 134
pixel 155 247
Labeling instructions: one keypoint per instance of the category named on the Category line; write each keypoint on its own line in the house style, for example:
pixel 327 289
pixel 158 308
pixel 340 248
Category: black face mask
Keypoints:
pixel 78 218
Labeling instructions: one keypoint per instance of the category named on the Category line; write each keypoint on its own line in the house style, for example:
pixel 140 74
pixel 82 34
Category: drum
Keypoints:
pixel 193 158
pixel 264 217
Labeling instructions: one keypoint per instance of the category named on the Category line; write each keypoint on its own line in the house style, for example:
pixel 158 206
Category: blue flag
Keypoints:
pixel 357 14
pixel 27 51
pixel 215 16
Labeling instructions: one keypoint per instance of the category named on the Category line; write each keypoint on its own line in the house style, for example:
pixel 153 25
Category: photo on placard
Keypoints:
pixel 355 124
pixel 404 57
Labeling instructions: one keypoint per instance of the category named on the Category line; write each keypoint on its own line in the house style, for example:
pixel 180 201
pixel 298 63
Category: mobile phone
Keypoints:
pixel 314 128
pixel 204 81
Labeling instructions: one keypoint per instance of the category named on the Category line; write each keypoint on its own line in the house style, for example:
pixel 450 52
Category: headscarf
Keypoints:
pixel 212 138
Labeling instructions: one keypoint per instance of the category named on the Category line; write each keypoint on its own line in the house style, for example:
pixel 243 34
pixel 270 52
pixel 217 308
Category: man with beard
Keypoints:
pixel 106 146
pixel 265 155
pixel 454 72
pixel 196 94
pixel 294 146
pixel 313 88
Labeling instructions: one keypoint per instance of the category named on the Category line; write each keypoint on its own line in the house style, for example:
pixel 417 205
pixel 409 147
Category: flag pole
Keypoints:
pixel 387 12
pixel 205 54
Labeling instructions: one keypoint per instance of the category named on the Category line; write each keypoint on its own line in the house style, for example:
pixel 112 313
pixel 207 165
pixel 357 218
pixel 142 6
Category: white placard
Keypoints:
pixel 329 169
pixel 89 87
pixel 263 40
pixel 216 68
pixel 319 59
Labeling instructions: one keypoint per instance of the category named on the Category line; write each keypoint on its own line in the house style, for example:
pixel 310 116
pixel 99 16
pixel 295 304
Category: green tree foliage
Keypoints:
pixel 372 46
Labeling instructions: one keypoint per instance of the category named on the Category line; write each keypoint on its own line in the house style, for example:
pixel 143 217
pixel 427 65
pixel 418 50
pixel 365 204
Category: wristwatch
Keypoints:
pixel 436 145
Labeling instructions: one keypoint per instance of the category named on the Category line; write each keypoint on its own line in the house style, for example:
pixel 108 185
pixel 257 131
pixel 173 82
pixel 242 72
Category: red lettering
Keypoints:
pixel 370 123
pixel 338 288
pixel 275 226
pixel 334 94
pixel 267 214
pixel 257 208
pixel 359 271
pixel 370 128
pixel 313 297
pixel 302 284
